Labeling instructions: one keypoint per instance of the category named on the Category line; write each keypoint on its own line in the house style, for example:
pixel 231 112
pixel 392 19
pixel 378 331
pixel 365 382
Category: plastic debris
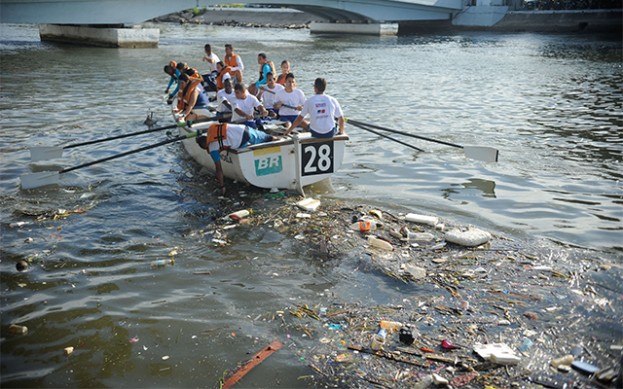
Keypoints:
pixel 163 262
pixel 308 204
pixel 406 336
pixel 17 329
pixel 422 219
pixel 21 266
pixel 499 353
pixel 469 237
pixel 566 360
pixel 236 216
pixel 380 243
pixel 378 340
pixel 447 345
pixel 251 363
pixel 390 325
pixel 439 380
pixel 584 367
pixel 67 351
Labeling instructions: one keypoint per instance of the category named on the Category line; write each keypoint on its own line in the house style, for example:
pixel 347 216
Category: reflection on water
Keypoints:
pixel 552 107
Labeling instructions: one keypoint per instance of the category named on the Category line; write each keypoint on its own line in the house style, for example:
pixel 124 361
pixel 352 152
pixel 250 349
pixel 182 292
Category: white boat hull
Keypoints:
pixel 289 163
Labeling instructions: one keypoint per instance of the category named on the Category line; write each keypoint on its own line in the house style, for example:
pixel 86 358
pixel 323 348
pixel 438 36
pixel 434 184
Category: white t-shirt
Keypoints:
pixel 233 139
pixel 294 98
pixel 323 110
pixel 212 66
pixel 245 105
pixel 224 96
pixel 269 99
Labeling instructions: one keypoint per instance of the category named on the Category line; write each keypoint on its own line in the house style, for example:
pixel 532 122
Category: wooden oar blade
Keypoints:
pixel 481 153
pixel 43 153
pixel 39 179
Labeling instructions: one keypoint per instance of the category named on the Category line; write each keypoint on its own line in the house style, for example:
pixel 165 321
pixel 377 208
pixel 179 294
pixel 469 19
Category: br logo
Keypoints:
pixel 268 165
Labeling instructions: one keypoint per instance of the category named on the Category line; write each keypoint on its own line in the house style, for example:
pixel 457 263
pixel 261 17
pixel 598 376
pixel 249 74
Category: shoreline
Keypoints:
pixel 587 21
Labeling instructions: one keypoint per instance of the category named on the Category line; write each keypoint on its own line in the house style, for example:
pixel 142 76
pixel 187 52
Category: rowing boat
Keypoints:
pixel 288 163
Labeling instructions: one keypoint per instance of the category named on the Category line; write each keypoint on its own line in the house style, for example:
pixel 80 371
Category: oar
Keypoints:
pixel 386 136
pixel 41 153
pixel 36 180
pixel 481 153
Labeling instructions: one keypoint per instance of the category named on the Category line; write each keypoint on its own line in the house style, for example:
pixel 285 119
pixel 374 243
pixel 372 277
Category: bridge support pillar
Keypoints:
pixel 354 28
pixel 106 36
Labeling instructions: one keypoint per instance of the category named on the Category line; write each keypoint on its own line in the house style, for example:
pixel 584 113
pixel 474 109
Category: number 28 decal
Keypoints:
pixel 317 158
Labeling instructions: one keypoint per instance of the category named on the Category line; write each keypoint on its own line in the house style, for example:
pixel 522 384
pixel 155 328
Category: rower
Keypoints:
pixel 224 97
pixel 234 61
pixel 322 110
pixel 290 101
pixel 244 106
pixel 269 97
pixel 266 66
pixel 285 69
pixel 193 103
pixel 210 76
pixel 171 70
pixel 225 136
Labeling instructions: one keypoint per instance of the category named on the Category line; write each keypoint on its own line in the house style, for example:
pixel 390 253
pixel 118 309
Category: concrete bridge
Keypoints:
pixel 131 12
pixel 106 22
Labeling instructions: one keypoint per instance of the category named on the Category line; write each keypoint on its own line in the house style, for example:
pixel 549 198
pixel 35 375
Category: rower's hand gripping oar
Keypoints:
pixel 41 153
pixel 36 180
pixel 481 153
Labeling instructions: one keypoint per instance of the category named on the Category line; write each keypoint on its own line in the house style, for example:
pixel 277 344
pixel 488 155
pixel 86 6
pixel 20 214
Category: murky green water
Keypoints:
pixel 551 104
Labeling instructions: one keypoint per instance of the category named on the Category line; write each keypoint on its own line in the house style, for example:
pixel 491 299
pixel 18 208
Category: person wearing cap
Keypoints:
pixel 244 106
pixel 171 70
pixel 234 61
pixel 269 96
pixel 223 100
pixel 193 103
pixel 323 110
pixel 290 101
pixel 225 136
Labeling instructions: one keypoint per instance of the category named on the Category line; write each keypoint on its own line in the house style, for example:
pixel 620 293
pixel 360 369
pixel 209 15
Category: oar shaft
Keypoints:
pixel 176 139
pixel 134 134
pixel 386 136
pixel 358 123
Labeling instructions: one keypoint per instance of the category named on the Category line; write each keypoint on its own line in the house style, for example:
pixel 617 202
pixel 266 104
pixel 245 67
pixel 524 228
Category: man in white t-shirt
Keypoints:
pixel 244 106
pixel 322 110
pixel 269 94
pixel 290 100
pixel 224 97
pixel 210 76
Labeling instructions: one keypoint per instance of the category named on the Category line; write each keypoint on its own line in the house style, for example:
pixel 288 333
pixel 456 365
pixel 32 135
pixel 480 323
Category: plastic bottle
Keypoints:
pixel 422 219
pixel 390 325
pixel 564 360
pixel 163 262
pixel 378 340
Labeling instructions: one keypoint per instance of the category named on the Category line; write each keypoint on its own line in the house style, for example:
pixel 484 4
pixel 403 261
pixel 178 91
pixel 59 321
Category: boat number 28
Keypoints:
pixel 317 158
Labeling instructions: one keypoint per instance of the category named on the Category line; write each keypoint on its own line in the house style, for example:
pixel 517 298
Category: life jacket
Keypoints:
pixel 272 69
pixel 219 77
pixel 231 60
pixel 217 132
pixel 281 79
pixel 186 93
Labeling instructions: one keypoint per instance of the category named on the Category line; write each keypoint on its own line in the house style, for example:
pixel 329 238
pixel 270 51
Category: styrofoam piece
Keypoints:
pixel 380 243
pixel 469 237
pixel 308 204
pixel 422 219
pixel 499 353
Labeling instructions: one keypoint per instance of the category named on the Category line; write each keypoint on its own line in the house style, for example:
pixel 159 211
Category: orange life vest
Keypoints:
pixel 281 79
pixel 185 95
pixel 231 60
pixel 217 132
pixel 219 77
